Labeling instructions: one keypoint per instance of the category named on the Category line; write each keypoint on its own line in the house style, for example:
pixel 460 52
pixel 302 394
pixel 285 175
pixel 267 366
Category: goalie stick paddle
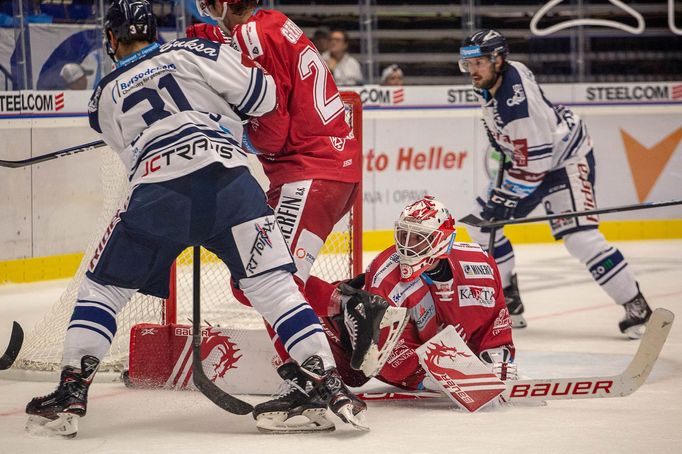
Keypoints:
pixel 54 155
pixel 475 221
pixel 15 341
pixel 201 381
pixel 543 389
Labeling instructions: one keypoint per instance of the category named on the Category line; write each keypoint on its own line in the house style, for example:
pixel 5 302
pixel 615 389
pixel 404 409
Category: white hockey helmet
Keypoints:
pixel 424 233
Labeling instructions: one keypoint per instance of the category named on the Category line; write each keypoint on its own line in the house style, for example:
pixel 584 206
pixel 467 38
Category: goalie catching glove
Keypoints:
pixel 364 316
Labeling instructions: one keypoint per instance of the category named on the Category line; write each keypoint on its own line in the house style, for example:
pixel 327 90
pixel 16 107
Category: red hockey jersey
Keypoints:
pixel 306 136
pixel 472 302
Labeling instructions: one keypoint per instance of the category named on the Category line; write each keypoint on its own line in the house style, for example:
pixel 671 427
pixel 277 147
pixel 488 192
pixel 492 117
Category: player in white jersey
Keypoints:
pixel 549 161
pixel 169 112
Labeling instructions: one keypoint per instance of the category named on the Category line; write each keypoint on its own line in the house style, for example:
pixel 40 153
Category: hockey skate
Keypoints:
pixel 57 413
pixel 296 397
pixel 364 316
pixel 514 304
pixel 332 390
pixel 637 313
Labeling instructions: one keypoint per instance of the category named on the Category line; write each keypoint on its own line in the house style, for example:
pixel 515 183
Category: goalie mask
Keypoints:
pixel 424 233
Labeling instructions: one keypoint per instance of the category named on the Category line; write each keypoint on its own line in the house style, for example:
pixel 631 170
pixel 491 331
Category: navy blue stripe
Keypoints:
pixel 95 315
pixel 264 94
pixel 248 89
pixel 293 326
pixel 274 325
pixel 317 330
pixel 97 303
pixel 541 151
pixel 100 332
pixel 256 93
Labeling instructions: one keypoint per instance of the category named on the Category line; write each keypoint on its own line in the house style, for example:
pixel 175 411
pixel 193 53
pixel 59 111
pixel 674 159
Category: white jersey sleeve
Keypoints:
pixel 537 136
pixel 176 108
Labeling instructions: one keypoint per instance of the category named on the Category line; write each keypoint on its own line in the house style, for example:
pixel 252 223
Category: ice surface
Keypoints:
pixel 572 331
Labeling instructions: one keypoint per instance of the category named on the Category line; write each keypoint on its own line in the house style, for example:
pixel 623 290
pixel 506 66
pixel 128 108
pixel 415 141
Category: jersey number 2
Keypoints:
pixel 310 64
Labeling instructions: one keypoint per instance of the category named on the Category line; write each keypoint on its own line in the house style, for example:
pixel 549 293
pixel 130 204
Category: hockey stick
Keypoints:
pixel 498 183
pixel 478 222
pixel 16 339
pixel 541 389
pixel 54 155
pixel 201 381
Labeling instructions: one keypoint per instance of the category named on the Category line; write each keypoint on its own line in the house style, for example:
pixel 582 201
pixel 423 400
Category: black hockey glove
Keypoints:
pixel 500 206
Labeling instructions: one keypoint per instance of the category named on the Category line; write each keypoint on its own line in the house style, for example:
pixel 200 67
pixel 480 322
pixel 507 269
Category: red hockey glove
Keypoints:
pixel 206 31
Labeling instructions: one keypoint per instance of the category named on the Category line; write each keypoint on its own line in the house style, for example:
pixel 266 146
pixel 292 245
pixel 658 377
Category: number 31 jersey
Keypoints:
pixel 307 136
pixel 169 109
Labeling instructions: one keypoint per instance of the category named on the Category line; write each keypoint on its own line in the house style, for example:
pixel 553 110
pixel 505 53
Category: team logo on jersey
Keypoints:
pixel 338 143
pixel 444 290
pixel 518 97
pixel 502 322
pixel 474 295
pixel 473 270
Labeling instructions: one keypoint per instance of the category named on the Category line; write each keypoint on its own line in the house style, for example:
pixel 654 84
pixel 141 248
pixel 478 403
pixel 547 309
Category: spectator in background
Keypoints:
pixel 346 69
pixel 392 75
pixel 75 76
pixel 321 39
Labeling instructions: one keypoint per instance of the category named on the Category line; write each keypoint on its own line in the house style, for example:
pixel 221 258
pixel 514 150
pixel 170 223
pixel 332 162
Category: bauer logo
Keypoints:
pixel 473 270
pixel 473 295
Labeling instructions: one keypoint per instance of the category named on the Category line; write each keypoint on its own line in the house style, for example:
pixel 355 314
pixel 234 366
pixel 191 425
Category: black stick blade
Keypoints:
pixel 15 341
pixel 470 219
pixel 219 397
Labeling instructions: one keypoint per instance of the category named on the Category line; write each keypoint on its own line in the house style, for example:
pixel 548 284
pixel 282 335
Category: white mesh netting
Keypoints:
pixel 42 348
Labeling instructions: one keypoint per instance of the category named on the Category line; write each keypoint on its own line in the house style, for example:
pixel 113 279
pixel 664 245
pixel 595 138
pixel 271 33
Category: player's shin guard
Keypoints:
pixel 57 413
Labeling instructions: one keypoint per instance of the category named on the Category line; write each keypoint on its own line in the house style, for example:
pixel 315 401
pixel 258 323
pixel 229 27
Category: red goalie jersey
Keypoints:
pixel 472 301
pixel 307 136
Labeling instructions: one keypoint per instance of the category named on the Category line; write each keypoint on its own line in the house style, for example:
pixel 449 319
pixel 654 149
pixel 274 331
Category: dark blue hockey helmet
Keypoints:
pixel 129 20
pixel 482 43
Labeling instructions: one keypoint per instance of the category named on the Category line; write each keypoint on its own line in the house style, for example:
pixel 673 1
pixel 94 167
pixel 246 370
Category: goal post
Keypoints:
pixel 40 358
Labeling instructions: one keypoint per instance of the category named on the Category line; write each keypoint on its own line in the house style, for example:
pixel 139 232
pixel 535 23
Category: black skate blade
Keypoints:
pixel 15 342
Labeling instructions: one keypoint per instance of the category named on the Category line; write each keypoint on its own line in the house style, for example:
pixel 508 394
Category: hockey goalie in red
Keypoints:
pixel 442 284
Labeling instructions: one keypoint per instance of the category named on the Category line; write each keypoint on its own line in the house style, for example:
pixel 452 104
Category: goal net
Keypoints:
pixel 40 357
